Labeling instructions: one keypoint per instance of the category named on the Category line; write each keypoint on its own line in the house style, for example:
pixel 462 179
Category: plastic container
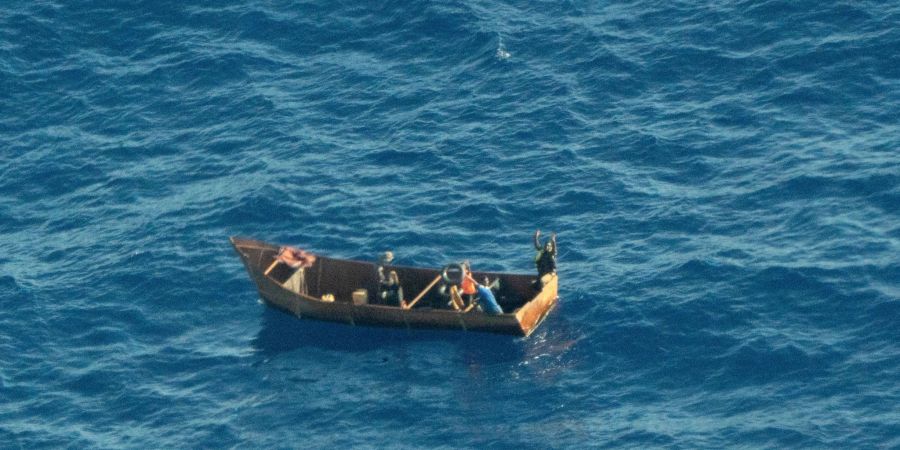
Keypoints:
pixel 360 297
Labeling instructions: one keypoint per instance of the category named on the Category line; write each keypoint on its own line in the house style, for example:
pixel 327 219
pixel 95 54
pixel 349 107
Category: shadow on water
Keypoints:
pixel 282 333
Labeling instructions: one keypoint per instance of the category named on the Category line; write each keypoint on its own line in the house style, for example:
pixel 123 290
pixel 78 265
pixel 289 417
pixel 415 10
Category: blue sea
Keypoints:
pixel 724 179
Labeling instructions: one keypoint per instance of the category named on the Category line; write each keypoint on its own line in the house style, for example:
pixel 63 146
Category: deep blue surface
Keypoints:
pixel 725 181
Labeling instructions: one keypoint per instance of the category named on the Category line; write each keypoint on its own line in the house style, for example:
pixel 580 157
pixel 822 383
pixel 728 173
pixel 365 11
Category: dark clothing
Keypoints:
pixel 391 294
pixel 545 262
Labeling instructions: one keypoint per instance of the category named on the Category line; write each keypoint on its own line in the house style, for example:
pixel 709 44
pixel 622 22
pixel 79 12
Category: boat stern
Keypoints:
pixel 533 313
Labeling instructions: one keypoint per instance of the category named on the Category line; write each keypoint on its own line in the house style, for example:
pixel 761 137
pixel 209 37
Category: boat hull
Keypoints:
pixel 332 274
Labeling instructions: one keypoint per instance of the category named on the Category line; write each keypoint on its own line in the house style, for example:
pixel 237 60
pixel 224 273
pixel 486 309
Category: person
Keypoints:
pixel 468 283
pixel 383 260
pixel 545 259
pixel 391 292
pixel 466 286
pixel 486 300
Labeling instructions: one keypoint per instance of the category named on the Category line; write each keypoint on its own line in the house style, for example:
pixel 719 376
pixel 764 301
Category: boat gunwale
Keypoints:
pixel 516 316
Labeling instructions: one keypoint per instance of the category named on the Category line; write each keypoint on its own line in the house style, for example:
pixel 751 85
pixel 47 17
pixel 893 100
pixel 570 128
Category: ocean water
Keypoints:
pixel 724 178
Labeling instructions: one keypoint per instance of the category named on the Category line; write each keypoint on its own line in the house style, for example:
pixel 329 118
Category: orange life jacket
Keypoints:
pixel 468 286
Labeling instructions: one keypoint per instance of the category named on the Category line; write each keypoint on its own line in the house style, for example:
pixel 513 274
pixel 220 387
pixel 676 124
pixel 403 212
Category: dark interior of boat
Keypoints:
pixel 340 278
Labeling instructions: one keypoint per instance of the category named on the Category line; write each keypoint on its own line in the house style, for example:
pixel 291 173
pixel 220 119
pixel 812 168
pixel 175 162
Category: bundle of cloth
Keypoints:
pixel 296 258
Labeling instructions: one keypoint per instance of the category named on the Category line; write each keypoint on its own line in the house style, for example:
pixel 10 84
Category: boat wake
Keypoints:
pixel 502 54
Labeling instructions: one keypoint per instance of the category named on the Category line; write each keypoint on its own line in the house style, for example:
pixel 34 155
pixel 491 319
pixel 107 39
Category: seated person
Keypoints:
pixel 468 283
pixel 384 259
pixel 390 291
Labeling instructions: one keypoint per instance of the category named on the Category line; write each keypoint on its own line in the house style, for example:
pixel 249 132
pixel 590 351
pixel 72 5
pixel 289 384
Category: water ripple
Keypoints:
pixel 723 181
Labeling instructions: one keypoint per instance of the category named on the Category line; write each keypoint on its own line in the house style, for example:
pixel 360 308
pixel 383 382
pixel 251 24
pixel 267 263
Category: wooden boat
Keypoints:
pixel 524 306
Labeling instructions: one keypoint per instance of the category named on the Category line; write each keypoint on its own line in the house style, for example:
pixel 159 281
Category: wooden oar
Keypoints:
pixel 274 263
pixel 455 298
pixel 422 294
